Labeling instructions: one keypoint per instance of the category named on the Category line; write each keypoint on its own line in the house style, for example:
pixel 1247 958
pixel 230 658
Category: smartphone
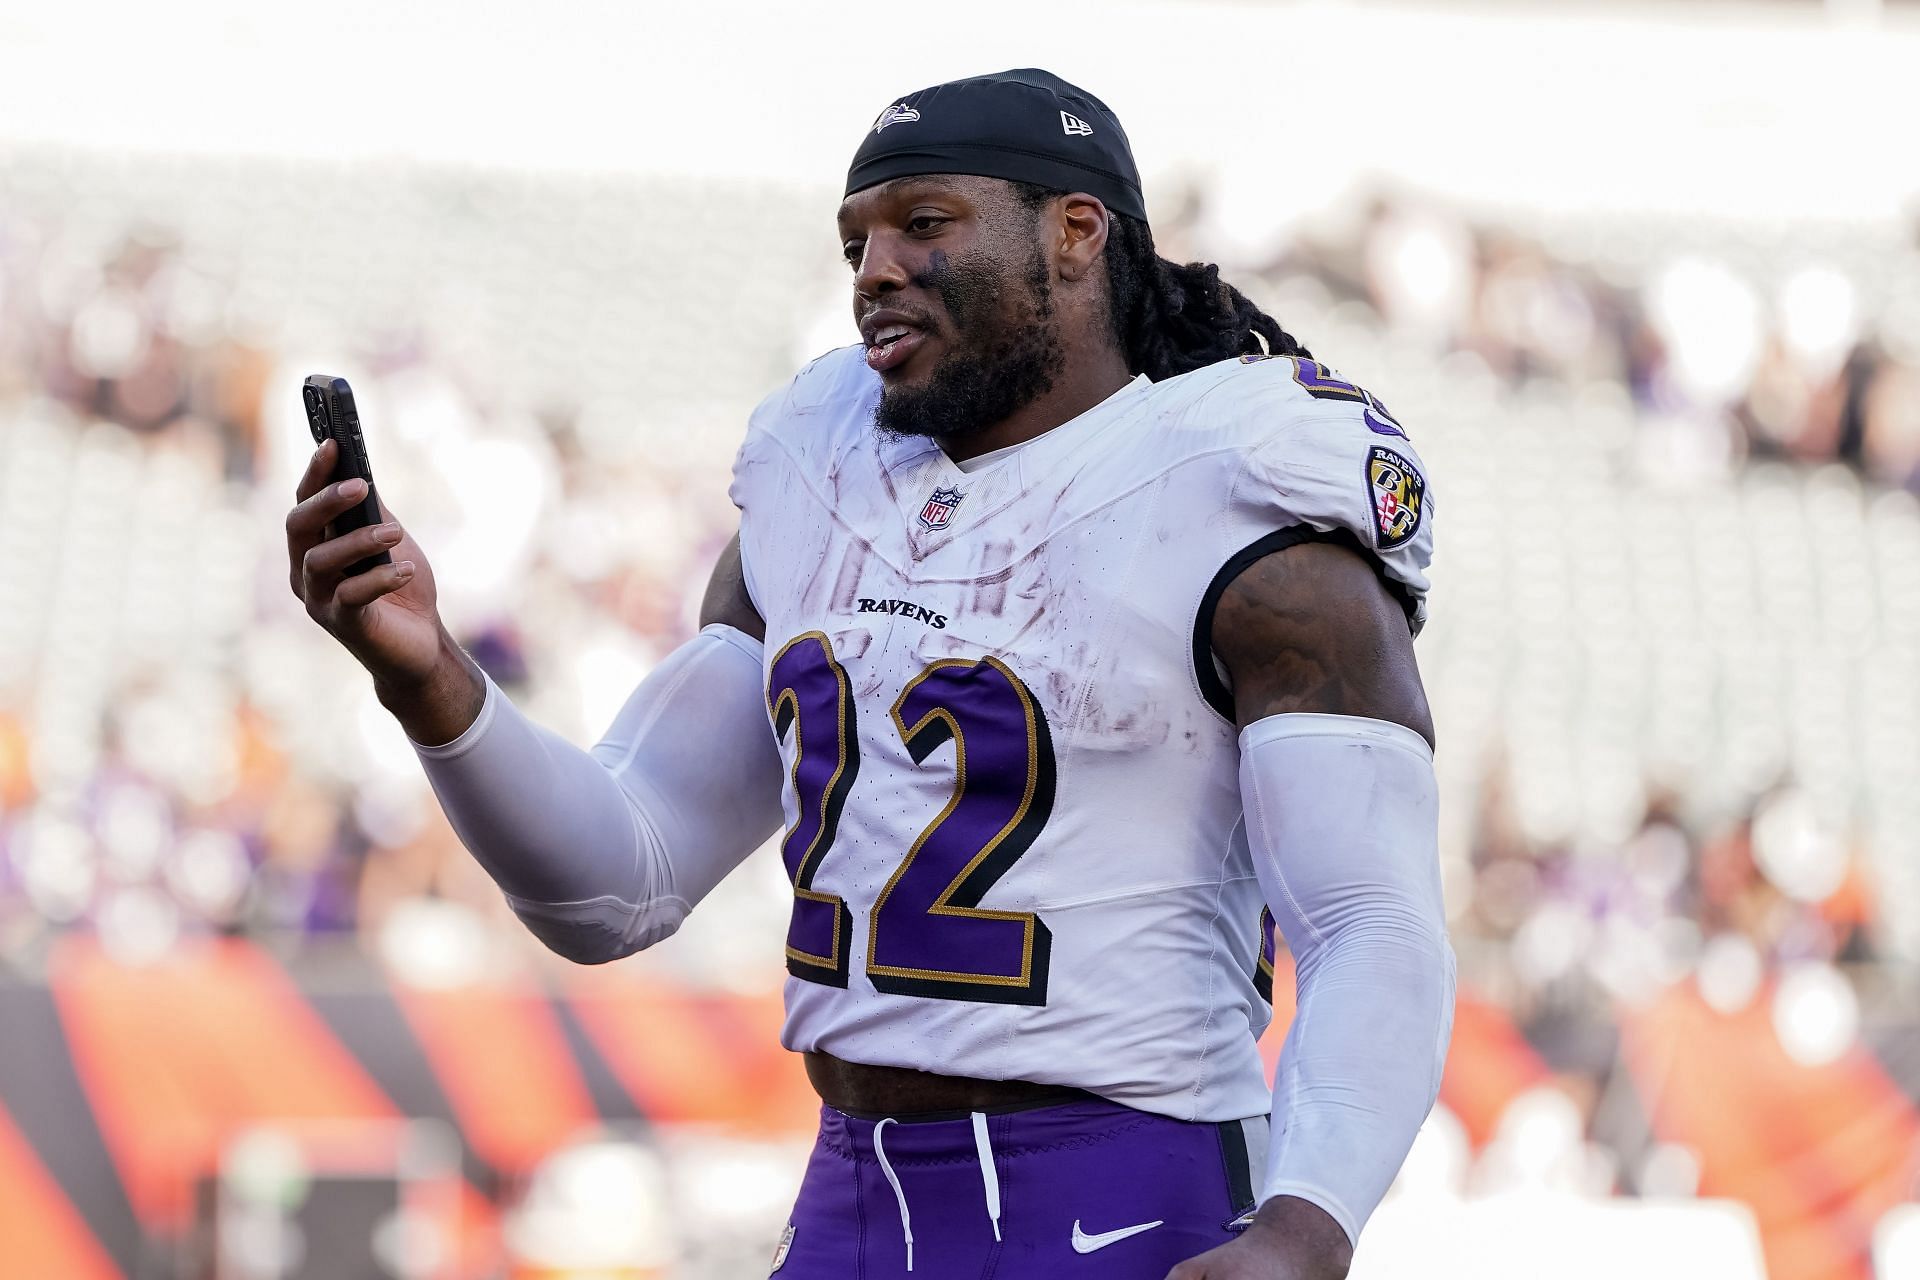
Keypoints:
pixel 331 415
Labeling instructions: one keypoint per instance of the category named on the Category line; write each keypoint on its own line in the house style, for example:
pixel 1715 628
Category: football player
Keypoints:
pixel 1069 629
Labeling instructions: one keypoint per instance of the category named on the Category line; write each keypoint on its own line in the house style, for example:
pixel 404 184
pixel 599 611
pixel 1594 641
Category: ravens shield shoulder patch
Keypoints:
pixel 1396 491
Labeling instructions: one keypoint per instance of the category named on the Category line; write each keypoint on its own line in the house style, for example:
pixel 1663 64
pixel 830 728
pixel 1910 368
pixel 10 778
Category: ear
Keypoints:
pixel 1081 223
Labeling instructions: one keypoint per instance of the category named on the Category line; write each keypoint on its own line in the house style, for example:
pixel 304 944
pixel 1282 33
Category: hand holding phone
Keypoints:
pixel 342 544
pixel 331 415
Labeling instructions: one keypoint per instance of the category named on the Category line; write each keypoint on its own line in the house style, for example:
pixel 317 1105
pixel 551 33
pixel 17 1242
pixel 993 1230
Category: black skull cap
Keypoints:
pixel 1025 125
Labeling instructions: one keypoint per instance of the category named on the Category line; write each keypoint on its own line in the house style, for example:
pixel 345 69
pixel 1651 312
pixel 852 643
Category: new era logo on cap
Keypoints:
pixel 1075 126
pixel 898 113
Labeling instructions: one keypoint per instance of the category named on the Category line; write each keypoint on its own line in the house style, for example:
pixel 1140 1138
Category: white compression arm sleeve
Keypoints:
pixel 1342 819
pixel 603 853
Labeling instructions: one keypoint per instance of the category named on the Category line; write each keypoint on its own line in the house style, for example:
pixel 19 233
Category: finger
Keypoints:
pixel 319 467
pixel 329 559
pixel 307 524
pixel 363 589
pixel 311 516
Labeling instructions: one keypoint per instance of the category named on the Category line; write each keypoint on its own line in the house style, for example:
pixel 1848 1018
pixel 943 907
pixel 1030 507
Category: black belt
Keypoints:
pixel 908 1096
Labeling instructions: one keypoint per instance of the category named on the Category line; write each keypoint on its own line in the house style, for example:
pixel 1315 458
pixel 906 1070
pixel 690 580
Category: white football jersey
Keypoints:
pixel 1013 806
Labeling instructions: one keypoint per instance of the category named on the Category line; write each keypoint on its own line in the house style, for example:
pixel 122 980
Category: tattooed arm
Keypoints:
pixel 1337 777
pixel 1311 629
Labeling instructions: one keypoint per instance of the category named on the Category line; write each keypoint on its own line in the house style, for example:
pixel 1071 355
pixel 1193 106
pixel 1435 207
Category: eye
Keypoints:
pixel 922 223
pixel 852 250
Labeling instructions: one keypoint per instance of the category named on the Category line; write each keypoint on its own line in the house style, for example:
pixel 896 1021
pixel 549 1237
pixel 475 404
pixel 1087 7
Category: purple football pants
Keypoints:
pixel 1085 1188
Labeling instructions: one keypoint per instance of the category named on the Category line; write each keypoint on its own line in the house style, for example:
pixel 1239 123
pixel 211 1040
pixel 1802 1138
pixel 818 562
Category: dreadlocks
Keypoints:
pixel 1172 319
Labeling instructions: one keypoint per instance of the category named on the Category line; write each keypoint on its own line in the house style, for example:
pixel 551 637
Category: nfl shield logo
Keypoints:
pixel 780 1254
pixel 939 509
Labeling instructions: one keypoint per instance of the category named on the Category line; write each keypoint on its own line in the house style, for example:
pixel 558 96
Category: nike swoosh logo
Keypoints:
pixel 1084 1243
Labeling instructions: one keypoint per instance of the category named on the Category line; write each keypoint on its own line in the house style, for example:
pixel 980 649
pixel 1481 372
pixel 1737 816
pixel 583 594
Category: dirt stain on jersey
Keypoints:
pixel 846 582
pixel 1125 726
pixel 988 593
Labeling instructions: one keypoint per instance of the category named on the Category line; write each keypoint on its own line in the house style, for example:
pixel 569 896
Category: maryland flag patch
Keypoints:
pixel 1397 492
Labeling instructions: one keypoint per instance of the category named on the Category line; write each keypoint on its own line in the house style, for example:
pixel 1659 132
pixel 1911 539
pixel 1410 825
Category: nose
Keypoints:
pixel 881 269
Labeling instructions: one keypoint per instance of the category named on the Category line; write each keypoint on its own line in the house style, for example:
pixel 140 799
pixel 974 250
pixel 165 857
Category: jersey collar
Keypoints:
pixel 916 467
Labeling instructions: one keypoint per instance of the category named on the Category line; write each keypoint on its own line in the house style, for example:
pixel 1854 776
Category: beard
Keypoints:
pixel 1008 360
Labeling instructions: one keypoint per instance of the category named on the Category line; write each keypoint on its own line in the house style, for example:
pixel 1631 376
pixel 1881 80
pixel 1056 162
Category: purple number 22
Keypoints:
pixel 928 934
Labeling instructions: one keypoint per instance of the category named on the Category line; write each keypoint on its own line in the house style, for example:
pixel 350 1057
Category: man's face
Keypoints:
pixel 952 290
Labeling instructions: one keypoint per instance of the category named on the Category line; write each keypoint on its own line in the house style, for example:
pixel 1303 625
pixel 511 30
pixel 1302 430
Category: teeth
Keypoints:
pixel 889 334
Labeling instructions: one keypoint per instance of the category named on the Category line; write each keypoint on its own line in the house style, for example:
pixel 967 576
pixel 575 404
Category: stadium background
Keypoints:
pixel 1643 282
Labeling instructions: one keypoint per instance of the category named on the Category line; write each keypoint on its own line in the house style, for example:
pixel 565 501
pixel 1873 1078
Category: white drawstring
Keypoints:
pixel 988 1176
pixel 906 1219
